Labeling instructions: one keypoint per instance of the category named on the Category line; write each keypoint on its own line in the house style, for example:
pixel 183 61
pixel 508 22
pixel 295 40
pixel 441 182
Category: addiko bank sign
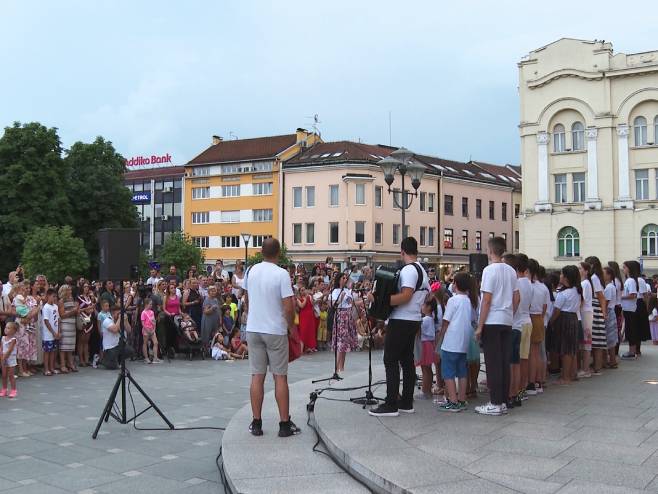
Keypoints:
pixel 153 161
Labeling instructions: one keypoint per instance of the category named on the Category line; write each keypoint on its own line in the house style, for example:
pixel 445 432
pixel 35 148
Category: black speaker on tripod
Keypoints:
pixel 118 253
pixel 477 263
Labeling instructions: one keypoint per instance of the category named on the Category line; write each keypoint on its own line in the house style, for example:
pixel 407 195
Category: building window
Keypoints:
pixel 447 204
pixel 200 171
pixel 516 239
pixel 492 235
pixel 405 232
pixel 640 131
pixel 297 233
pixel 423 200
pixel 296 197
pixel 642 184
pixel 229 216
pixel 423 234
pixel 568 242
pixel 504 236
pixel 310 233
pixel 230 190
pixel 430 236
pixel 465 239
pixel 359 232
pixel 360 196
pixel 257 240
pixel 333 233
pixel 650 240
pixel 201 242
pixel 447 238
pixel 430 202
pixel 263 189
pixel 558 139
pixel 230 241
pixel 503 211
pixel 200 192
pixel 400 198
pixel 379 231
pixel 199 218
pixel 578 187
pixel 396 234
pixel 262 215
pixel 310 197
pixel 379 192
pixel 478 208
pixel 561 187
pixel 333 195
pixel 478 240
pixel 465 207
pixel 492 210
pixel 262 166
pixel 517 210
pixel 577 136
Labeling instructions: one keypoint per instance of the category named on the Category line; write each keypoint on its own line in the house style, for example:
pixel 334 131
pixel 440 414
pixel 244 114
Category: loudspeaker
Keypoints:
pixel 477 263
pixel 118 253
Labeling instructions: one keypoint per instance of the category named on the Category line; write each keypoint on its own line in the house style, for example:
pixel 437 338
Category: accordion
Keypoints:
pixel 386 284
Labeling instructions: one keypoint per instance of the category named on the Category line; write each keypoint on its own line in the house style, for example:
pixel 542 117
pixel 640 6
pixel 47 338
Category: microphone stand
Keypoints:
pixel 334 339
pixel 369 398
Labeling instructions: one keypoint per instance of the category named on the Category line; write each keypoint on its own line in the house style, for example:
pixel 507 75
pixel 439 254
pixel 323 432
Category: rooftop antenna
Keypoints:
pixel 231 135
pixel 314 126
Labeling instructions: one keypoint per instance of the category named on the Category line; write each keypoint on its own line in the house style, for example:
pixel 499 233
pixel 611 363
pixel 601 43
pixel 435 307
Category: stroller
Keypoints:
pixel 184 345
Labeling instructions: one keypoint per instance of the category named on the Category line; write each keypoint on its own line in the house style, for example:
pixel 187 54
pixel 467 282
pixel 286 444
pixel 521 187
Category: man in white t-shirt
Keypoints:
pixel 271 315
pixel 403 325
pixel 154 278
pixel 500 297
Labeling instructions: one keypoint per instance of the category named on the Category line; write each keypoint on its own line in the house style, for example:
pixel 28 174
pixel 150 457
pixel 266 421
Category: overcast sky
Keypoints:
pixel 163 76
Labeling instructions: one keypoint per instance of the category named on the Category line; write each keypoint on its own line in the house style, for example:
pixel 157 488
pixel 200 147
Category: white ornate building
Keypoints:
pixel 589 153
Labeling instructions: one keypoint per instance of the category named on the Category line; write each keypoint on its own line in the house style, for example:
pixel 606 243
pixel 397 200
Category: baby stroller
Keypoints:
pixel 184 345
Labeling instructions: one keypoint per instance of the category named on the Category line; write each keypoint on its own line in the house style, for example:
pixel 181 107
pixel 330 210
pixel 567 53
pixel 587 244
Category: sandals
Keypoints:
pixel 47 373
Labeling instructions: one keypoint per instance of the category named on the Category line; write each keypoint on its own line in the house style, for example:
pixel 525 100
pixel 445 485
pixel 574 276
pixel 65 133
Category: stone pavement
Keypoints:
pixel 596 436
pixel 45 434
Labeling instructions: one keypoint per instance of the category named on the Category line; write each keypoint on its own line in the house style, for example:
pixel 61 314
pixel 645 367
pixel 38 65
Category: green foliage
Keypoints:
pixel 33 182
pixel 96 192
pixel 179 250
pixel 284 260
pixel 55 252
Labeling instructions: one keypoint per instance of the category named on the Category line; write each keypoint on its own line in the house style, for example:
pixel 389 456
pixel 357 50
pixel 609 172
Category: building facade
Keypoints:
pixel 232 192
pixel 336 203
pixel 158 197
pixel 589 152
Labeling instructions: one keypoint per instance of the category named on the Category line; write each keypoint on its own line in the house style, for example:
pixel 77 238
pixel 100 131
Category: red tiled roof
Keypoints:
pixel 245 149
pixel 512 173
pixel 340 151
pixel 169 171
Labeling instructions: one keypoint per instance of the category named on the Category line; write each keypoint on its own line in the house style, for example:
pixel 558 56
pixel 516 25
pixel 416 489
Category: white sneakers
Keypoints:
pixel 491 409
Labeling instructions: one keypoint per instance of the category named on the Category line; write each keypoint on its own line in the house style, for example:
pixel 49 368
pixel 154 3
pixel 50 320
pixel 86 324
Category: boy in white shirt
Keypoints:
pixel 50 333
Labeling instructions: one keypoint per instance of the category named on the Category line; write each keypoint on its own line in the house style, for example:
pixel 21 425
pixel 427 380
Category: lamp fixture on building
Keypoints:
pixel 246 237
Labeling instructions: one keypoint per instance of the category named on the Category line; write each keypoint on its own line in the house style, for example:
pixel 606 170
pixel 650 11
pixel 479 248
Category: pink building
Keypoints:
pixel 335 203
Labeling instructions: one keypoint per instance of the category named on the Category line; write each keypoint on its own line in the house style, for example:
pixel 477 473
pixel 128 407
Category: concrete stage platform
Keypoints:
pixel 599 435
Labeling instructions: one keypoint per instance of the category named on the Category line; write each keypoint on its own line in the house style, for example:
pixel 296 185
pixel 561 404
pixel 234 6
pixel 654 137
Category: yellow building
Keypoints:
pixel 233 188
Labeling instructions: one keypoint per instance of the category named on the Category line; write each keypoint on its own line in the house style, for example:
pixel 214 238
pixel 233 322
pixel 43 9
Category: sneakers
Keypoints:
pixel 597 373
pixel 94 361
pixel 256 427
pixel 157 361
pixel 517 402
pixel 384 410
pixel 449 406
pixel 629 356
pixel 491 409
pixel 287 429
pixel 405 408
pixel 463 405
pixel 583 374
pixel 13 393
pixel 3 392
pixel 523 396
pixel 539 388
pixel 531 390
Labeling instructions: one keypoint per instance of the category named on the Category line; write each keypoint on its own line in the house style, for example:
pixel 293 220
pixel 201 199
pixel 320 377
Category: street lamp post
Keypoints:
pixel 246 237
pixel 400 160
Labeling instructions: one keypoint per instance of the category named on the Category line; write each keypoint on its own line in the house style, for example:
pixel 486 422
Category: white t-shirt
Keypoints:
pixel 408 279
pixel 587 296
pixel 620 291
pixel 347 298
pixel 644 286
pixel 6 289
pixel 50 313
pixel 653 317
pixel 540 297
pixel 630 287
pixel 597 286
pixel 154 281
pixel 110 339
pixel 267 285
pixel 499 279
pixel 567 300
pixel 458 314
pixel 427 329
pixel 610 294
pixel 522 314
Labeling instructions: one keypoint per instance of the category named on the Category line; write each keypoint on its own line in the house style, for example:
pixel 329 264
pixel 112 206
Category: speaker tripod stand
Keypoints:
pixel 121 414
pixel 369 398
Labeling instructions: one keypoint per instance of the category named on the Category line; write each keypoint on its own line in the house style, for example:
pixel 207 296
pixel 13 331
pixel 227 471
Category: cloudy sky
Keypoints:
pixel 163 76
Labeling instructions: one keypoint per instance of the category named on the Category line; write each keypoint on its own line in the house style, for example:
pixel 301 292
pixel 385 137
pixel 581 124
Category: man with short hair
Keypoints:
pixel 271 313
pixel 154 278
pixel 173 276
pixel 500 298
pixel 219 273
pixel 11 281
pixel 403 325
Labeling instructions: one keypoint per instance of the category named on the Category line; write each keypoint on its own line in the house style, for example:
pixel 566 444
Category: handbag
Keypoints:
pixel 294 345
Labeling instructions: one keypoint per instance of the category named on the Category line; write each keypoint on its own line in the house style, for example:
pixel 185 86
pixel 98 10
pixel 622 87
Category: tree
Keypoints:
pixel 96 192
pixel 179 250
pixel 284 260
pixel 55 252
pixel 32 186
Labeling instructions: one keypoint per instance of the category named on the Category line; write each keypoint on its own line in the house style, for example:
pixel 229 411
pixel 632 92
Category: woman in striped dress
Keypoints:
pixel 68 312
pixel 600 307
